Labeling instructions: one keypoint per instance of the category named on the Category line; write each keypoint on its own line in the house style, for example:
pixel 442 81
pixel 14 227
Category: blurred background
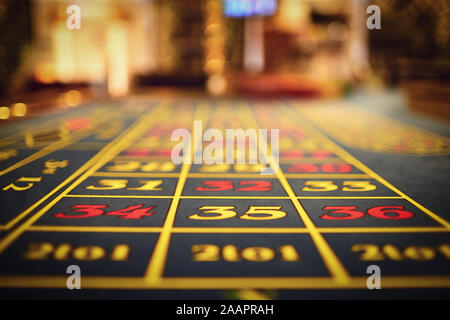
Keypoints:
pixel 263 48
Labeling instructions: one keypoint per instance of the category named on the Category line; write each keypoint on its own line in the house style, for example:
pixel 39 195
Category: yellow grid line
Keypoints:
pixel 326 175
pixel 332 262
pixel 346 197
pixel 225 282
pixel 234 197
pixel 237 230
pixel 61 117
pixel 155 268
pixel 270 282
pixel 310 160
pixel 94 229
pixel 233 175
pixel 358 164
pixel 114 196
pixel 137 174
pixel 352 106
pixel 142 158
pixel 80 145
pixel 23 214
pixel 92 165
pixel 57 145
pixel 282 160
pixel 383 229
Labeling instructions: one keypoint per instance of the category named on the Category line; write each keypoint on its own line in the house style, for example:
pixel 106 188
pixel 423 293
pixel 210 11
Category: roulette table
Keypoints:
pixel 359 187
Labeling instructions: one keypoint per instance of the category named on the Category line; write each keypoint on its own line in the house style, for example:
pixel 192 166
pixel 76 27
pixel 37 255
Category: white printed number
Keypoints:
pixel 74 19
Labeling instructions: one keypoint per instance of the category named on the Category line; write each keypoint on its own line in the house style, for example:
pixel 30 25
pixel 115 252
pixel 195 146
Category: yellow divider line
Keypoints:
pixel 225 282
pixel 383 229
pixel 51 122
pixel 332 262
pixel 350 159
pixel 114 196
pixel 94 229
pixel 232 197
pixel 310 160
pixel 23 214
pixel 57 145
pixel 142 158
pixel 236 230
pixel 228 175
pixel 136 174
pixel 343 197
pixel 156 266
pixel 96 162
pixel 353 106
pixel 169 197
pixel 157 262
pixel 326 175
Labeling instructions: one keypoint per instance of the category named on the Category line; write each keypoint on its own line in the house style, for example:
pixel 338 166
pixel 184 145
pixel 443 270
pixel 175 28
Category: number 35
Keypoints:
pixel 226 212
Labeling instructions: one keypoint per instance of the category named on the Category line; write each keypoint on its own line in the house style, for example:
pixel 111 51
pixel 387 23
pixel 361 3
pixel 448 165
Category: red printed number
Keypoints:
pixel 131 212
pixel 382 212
pixel 222 185
pixel 216 185
pixel 350 213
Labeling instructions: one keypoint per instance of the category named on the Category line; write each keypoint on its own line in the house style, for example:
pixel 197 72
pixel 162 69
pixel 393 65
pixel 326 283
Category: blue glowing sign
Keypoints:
pixel 247 8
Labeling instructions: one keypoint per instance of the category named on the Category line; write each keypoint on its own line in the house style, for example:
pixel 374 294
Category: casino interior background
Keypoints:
pixel 302 48
pixel 379 96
